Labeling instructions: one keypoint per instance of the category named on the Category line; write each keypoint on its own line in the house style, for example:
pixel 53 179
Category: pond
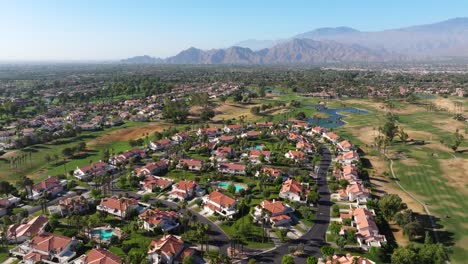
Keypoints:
pixel 334 119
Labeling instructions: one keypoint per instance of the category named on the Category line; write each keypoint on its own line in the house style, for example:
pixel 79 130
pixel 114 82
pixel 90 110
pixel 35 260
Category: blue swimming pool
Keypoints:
pixel 224 185
pixel 104 234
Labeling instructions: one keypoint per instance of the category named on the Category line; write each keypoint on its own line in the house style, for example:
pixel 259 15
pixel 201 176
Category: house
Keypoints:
pixel 8 202
pixel 49 187
pixel 332 137
pixel 98 256
pixel 168 249
pixel 357 192
pixel 160 144
pixel 367 234
pixel 126 156
pixel 349 259
pixel 344 146
pixel 224 153
pixel 296 155
pixel 46 248
pixel 348 157
pixel 166 220
pixel 251 134
pixel 236 128
pixel 255 154
pixel 211 132
pixel 117 206
pixel 305 146
pixel 276 212
pixel 153 168
pixel 294 137
pixel 293 190
pixel 95 169
pixel 264 125
pixel 72 205
pixel 300 125
pixel 21 232
pixel 184 190
pixel 226 139
pixel 151 182
pixel 190 164
pixel 180 137
pixel 272 173
pixel 318 130
pixel 349 173
pixel 217 202
pixel 232 168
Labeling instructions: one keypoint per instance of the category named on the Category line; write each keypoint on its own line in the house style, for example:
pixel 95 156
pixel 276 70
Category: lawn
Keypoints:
pixel 254 239
pixel 422 169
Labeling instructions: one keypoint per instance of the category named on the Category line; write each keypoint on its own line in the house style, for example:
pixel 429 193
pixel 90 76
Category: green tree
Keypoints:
pixel 231 189
pixel 390 129
pixel 188 260
pixel 311 260
pixel 327 251
pixel 340 242
pixel 413 229
pixel 403 255
pixel 287 259
pixel 389 205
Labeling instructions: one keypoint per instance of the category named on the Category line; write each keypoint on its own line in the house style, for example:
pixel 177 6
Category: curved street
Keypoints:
pixel 315 238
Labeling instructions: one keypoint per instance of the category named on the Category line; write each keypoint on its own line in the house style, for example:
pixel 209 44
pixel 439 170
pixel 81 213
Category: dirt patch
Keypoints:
pixel 450 125
pixel 127 134
pixel 231 111
pixel 400 238
pixel 446 104
pixel 454 170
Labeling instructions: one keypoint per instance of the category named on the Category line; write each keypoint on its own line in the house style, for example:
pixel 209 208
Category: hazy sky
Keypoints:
pixel 105 29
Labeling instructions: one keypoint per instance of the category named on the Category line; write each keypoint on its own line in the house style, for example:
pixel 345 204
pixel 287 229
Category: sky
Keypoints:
pixel 48 30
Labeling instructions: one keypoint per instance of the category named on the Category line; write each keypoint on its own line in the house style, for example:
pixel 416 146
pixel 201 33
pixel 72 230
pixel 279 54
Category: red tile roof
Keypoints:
pixel 100 256
pixel 221 199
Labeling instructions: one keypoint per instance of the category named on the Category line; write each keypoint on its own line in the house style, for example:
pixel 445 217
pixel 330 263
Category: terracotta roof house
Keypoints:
pixel 126 156
pixel 184 190
pixel 8 202
pixel 48 187
pixel 349 259
pixel 153 168
pixel 348 157
pixel 166 220
pixel 180 137
pixel 357 192
pixel 151 182
pixel 254 155
pixel 211 132
pixel 293 190
pixel 217 202
pixel 95 169
pixel 263 124
pixel 332 137
pixel 318 130
pixel 46 247
pixel 297 156
pixel 306 146
pixel 300 124
pixel 117 206
pixel 191 164
pixel 251 134
pixel 168 249
pixel 76 204
pixel 272 173
pixel 349 173
pixel 344 146
pixel 98 256
pixel 233 128
pixel 368 232
pixel 232 168
pixel 22 232
pixel 226 139
pixel 276 212
pixel 160 144
pixel 224 153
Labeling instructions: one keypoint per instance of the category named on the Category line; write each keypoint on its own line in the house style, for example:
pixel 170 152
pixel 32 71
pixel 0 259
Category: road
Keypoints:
pixel 315 238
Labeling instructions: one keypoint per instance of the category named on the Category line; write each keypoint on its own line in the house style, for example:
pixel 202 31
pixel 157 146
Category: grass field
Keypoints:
pixel 432 172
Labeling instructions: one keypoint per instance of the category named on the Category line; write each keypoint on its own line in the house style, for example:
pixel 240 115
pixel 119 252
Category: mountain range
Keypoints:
pixel 334 45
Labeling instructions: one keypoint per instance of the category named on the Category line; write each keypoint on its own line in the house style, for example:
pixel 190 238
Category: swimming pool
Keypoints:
pixel 224 185
pixel 104 234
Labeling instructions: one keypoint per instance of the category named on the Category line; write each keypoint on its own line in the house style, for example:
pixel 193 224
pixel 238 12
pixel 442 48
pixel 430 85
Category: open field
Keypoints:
pixel 431 171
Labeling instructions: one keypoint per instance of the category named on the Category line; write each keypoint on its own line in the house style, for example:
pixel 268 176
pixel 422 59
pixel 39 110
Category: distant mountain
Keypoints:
pixel 142 60
pixel 340 44
pixel 296 51
pixel 446 38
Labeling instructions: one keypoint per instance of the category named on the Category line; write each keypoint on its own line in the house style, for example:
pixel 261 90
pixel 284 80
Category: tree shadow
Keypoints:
pixel 445 237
